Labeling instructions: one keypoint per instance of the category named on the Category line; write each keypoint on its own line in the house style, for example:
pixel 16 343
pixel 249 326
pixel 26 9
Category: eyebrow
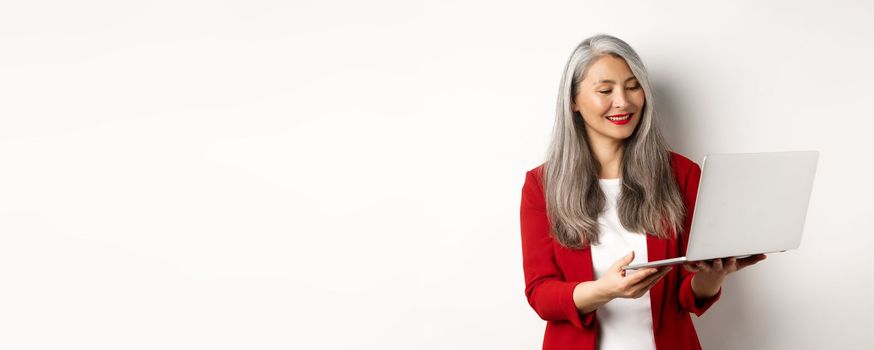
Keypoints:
pixel 613 82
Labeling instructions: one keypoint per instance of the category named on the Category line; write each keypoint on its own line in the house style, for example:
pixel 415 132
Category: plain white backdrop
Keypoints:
pixel 347 175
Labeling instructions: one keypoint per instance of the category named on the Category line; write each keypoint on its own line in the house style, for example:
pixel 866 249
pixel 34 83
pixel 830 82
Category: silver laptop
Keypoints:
pixel 748 203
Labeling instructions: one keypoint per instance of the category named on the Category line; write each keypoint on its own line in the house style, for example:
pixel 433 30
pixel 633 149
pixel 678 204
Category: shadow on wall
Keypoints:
pixel 730 321
pixel 734 320
pixel 676 125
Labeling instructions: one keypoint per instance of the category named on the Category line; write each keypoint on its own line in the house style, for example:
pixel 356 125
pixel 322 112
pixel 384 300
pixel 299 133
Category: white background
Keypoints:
pixel 347 175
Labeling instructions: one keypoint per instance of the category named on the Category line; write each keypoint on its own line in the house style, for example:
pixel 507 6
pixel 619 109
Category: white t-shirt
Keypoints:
pixel 624 323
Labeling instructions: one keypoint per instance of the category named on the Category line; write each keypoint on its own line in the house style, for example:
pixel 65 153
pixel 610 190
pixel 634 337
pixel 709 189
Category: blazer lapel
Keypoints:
pixel 656 249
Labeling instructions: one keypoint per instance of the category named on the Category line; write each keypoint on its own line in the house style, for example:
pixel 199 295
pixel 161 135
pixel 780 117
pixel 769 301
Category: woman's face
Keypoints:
pixel 610 100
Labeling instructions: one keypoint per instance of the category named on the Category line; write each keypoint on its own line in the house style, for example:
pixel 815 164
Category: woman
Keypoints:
pixel 611 194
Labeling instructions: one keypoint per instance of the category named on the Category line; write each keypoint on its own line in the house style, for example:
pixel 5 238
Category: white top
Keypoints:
pixel 624 323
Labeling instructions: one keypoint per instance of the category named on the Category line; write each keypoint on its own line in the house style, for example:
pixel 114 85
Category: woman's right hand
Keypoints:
pixel 590 295
pixel 618 283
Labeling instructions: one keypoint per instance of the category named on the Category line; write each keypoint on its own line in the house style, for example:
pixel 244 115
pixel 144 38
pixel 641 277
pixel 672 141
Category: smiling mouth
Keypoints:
pixel 619 117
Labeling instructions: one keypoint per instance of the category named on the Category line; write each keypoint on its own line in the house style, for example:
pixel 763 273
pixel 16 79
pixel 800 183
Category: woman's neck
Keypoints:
pixel 609 155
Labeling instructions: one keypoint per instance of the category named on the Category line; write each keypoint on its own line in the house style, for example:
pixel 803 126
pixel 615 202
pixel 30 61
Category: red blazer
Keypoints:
pixel 552 272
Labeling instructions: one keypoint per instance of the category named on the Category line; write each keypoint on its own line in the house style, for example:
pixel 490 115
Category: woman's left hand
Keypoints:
pixel 711 273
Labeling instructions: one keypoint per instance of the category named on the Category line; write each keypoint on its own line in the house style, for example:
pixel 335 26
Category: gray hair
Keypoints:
pixel 649 202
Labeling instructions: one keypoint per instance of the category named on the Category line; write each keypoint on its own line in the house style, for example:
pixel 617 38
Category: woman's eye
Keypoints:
pixel 605 92
pixel 634 87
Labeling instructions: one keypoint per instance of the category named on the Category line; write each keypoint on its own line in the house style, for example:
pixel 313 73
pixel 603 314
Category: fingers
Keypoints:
pixel 750 260
pixel 709 266
pixel 691 267
pixel 646 284
pixel 637 277
pixel 730 264
pixel 703 266
pixel 624 261
pixel 652 279
pixel 716 266
pixel 724 265
pixel 656 280
pixel 698 266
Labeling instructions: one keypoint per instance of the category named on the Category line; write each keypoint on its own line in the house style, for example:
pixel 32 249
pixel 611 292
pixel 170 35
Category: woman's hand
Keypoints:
pixel 590 295
pixel 711 273
pixel 618 283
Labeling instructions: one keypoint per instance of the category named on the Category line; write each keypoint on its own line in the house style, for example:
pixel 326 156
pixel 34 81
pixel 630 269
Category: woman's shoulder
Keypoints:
pixel 685 172
pixel 537 172
pixel 682 164
pixel 534 180
pixel 538 169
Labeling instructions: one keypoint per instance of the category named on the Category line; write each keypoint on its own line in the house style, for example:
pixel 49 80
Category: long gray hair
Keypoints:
pixel 650 199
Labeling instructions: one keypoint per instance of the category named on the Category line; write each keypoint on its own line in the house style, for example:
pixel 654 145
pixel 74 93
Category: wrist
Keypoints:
pixel 588 296
pixel 705 286
pixel 602 293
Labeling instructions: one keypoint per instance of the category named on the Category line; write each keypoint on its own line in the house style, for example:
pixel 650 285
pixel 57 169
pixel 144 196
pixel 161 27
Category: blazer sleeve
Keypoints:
pixel 548 293
pixel 688 301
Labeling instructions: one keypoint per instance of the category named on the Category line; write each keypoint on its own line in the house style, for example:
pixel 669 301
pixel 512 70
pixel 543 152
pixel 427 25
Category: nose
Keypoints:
pixel 620 100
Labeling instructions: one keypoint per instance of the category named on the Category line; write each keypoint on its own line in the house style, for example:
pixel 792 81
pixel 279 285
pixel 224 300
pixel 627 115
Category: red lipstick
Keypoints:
pixel 620 119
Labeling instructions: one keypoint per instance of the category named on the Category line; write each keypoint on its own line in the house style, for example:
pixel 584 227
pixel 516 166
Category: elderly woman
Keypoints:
pixel 609 194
